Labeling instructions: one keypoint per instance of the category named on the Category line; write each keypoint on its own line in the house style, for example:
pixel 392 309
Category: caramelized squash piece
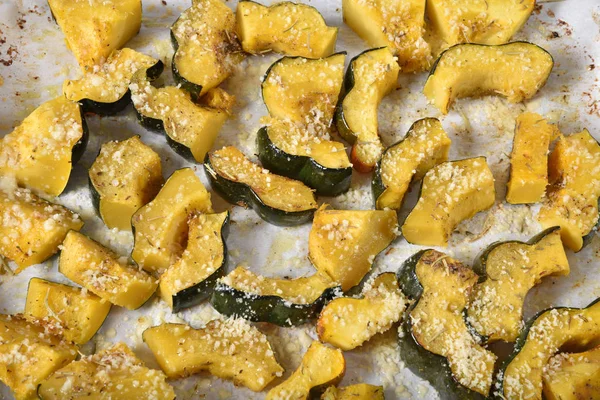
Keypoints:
pixel 573 376
pixel 125 176
pixel 229 349
pixel 293 29
pixel 511 269
pixel 451 192
pixel 425 145
pixel 94 29
pixel 29 352
pixel 360 391
pixel 347 322
pixel 399 25
pixel 514 70
pixel 58 124
pixel 344 243
pixel 31 228
pixel 78 312
pixel 109 374
pixel 321 367
pixel 103 273
pixel 160 227
pixel 572 201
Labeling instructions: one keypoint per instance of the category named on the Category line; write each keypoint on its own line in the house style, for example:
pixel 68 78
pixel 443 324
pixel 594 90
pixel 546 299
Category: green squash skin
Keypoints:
pixel 497 392
pixel 325 181
pixel 243 195
pixel 429 366
pixel 80 146
pixel 193 88
pixel 275 310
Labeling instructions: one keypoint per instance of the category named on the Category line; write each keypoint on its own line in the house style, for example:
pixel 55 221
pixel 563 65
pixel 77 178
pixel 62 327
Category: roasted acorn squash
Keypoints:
pixel 59 125
pixel 545 334
pixel 125 176
pixel 509 270
pixel 230 349
pixel 102 272
pixel 160 227
pixel 435 341
pixel 79 313
pixel 514 70
pixel 450 193
pixel 347 322
pixel 293 29
pixel 573 376
pixel 370 76
pixel 276 199
pixel 284 302
pixel 321 367
pixel 359 391
pixel 93 29
pixel 191 279
pixel 572 199
pixel 425 145
pixel 114 373
pixel 399 25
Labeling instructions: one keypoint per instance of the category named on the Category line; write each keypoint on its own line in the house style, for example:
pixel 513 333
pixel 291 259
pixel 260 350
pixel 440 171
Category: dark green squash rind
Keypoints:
pixel 193 88
pixel 81 145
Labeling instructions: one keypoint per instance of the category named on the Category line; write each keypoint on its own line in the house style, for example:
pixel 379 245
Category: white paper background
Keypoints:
pixel 484 126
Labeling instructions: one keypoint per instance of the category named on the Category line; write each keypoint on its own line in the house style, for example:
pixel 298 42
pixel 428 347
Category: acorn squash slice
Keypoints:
pixel 435 341
pixel 450 193
pixel 478 21
pixel 344 243
pixel 94 29
pixel 206 46
pixel 283 302
pixel 550 331
pixel 425 145
pixel 529 159
pixel 347 322
pixel 32 229
pixel 102 272
pixel 290 28
pixel 79 313
pixel 104 90
pixel 229 349
pixel 573 376
pixel 58 124
pixel 114 373
pixel 321 367
pixel 360 391
pixel 514 70
pixel 160 227
pixel 509 270
pixel 399 25
pixel 29 352
pixel 125 176
pixel 370 76
pixel 572 198
pixel 276 199
pixel 191 279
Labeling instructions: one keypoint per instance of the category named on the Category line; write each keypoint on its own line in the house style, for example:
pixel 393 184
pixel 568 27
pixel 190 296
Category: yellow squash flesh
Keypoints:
pixel 573 376
pixel 360 391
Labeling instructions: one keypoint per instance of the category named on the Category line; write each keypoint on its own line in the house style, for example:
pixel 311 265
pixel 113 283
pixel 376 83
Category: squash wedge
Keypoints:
pixel 160 227
pixel 572 199
pixel 283 302
pixel 124 177
pixel 450 193
pixel 293 29
pixel 359 391
pixel 370 76
pixel 58 124
pixel 321 367
pixel 230 349
pixel 103 273
pixel 435 341
pixel 573 376
pixel 347 322
pixel 509 270
pixel 79 313
pixel 94 29
pixel 514 70
pixel 109 374
pixel 425 145
pixel 191 279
